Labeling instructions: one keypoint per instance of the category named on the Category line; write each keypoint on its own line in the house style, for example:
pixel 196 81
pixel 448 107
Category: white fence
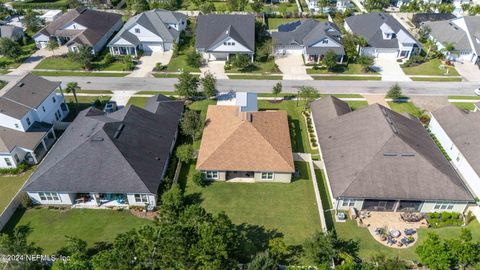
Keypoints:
pixel 10 209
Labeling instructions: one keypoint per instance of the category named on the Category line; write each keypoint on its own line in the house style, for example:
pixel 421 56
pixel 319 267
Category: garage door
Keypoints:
pixel 152 47
pixel 289 50
pixel 387 55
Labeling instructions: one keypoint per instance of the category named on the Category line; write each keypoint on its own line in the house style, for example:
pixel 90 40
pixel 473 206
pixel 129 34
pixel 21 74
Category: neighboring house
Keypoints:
pixel 51 15
pixel 151 31
pixel 218 36
pixel 246 101
pixel 28 108
pixel 12 32
pixel 310 38
pixel 81 27
pixel 463 33
pixel 457 132
pixel 385 36
pixel 343 5
pixel 245 146
pixel 400 3
pixel 116 159
pixel 379 160
pixel 338 5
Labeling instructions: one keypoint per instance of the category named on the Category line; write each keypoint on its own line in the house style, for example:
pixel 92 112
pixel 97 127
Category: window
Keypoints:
pixel 59 114
pixel 442 205
pixel 211 175
pixel 16 158
pixel 16 125
pixel 137 30
pixel 48 196
pixel 348 202
pixel 233 43
pixel 8 161
pixel 43 109
pixel 325 41
pixel 141 198
pixel 74 26
pixel 28 121
pixel 267 175
pixel 224 43
pixel 54 100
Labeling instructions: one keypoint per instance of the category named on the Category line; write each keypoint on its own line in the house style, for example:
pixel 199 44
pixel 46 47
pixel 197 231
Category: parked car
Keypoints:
pixel 110 107
pixel 477 91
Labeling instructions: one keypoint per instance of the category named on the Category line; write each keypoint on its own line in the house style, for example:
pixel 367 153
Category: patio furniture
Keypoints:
pixel 391 241
pixel 407 240
pixel 394 233
pixel 341 216
pixel 409 231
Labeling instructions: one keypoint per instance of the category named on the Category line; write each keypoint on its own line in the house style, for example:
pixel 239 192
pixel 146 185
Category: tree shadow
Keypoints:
pixel 296 135
pixel 193 198
pixel 14 220
pixel 254 239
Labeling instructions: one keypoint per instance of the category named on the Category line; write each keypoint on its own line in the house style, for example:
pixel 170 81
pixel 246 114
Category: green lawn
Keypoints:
pixel 341 69
pixel 80 74
pixel 290 8
pixel 64 63
pixel 464 97
pixel 288 208
pixel 95 92
pixel 273 23
pixel 431 67
pixel 469 106
pixel 27 50
pixel 137 101
pixel 83 103
pixel 347 78
pixel 256 77
pixel 179 63
pixel 265 68
pixel 10 185
pixel 405 107
pixel 166 93
pixel 435 79
pixel 355 105
pixel 50 226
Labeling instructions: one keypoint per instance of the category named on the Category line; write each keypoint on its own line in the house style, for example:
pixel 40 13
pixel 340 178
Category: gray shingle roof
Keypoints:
pixel 307 33
pixel 368 26
pixel 10 138
pixel 10 31
pixel 213 28
pixel 156 21
pixel 462 128
pixel 376 153
pixel 121 152
pixel 473 26
pixel 160 104
pixel 446 32
pixel 26 93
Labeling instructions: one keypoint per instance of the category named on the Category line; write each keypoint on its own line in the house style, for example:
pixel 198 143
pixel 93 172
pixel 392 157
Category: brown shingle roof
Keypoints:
pixel 231 142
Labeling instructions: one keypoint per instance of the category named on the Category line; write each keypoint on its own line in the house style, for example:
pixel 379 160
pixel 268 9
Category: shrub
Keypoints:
pixel 159 67
pixel 395 92
pixel 19 169
pixel 199 179
pixel 128 63
pixel 108 59
pixel 194 59
pixel 414 60
pixel 444 219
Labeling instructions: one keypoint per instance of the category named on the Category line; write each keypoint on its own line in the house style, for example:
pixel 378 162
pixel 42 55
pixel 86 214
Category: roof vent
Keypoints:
pixel 96 139
pixel 407 154
pixel 118 131
pixel 389 154
pixel 157 158
pixel 21 84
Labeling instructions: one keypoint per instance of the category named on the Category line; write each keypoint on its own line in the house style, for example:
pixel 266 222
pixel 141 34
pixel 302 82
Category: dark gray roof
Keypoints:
pixel 419 18
pixel 448 32
pixel 98 23
pixel 368 26
pixel 213 28
pixel 10 31
pixel 462 128
pixel 25 93
pixel 377 153
pixel 10 138
pixel 157 21
pixel 160 104
pixel 307 33
pixel 122 152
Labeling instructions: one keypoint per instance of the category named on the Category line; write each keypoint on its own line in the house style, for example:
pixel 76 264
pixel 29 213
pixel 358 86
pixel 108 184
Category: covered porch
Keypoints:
pixel 123 50
pixel 392 206
pixel 100 200
pixel 42 148
pixel 317 58
pixel 237 176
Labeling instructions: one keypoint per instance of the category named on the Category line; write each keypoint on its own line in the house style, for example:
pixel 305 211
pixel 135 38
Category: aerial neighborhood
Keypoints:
pixel 252 135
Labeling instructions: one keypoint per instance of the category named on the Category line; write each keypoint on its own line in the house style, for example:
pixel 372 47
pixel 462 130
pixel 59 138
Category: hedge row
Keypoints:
pixel 49 5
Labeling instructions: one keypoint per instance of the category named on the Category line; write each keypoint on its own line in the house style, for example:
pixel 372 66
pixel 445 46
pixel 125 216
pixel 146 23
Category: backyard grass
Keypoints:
pixel 347 78
pixel 341 69
pixel 435 79
pixel 273 23
pixel 288 208
pixel 256 77
pixel 468 106
pixel 50 226
pixel 464 97
pixel 405 107
pixel 138 101
pixel 431 67
pixel 10 185
pixel 355 105
pixel 80 74
pixel 290 8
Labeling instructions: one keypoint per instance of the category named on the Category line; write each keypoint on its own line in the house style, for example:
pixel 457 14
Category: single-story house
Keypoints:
pixel 12 32
pixel 81 27
pixel 457 132
pixel 245 146
pixel 385 36
pixel 151 31
pixel 380 160
pixel 103 160
pixel 463 33
pixel 29 106
pixel 310 38
pixel 220 35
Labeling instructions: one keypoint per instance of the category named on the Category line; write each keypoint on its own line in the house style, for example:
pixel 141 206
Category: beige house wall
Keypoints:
pixel 428 207
pixel 277 178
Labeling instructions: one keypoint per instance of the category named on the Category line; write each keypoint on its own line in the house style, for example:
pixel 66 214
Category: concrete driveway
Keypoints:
pixel 217 68
pixel 292 67
pixel 148 61
pixel 390 69
pixel 31 62
pixel 469 71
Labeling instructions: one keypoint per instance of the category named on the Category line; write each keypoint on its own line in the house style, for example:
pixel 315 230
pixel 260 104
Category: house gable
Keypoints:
pixel 326 42
pixel 223 46
pixel 122 41
pixel 73 26
pixel 143 34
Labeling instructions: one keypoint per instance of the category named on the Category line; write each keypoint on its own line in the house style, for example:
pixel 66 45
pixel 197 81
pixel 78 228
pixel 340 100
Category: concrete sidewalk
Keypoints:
pixel 31 62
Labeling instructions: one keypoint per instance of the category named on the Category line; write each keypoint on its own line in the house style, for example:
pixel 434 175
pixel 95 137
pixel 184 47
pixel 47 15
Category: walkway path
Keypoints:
pixel 31 62
pixel 122 97
pixel 390 69
pixel 306 157
pixel 380 99
pixel 146 63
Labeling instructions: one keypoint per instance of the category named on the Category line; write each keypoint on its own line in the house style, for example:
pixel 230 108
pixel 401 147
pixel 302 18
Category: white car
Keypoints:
pixel 477 91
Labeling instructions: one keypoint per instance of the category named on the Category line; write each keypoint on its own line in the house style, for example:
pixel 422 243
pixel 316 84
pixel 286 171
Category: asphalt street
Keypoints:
pixel 289 86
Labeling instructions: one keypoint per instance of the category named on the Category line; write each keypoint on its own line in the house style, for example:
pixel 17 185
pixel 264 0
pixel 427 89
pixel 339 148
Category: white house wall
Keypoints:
pixel 466 170
pixel 65 199
pixel 122 42
pixel 330 43
pixel 145 35
pixel 41 40
pixel 220 47
pixel 152 200
pixel 9 122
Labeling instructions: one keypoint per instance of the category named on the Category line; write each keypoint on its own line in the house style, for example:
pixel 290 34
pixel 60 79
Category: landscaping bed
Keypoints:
pixel 347 78
pixel 430 67
pixel 341 69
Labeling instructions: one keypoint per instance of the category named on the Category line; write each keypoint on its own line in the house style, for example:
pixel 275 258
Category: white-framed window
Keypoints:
pixel 325 41
pixel 53 98
pixel 43 109
pixel 16 158
pixel 211 175
pixel 267 175
pixel 137 30
pixel 444 205
pixel 141 198
pixel 348 202
pixel 8 162
pixel 49 196
pixel 16 125
pixel 28 121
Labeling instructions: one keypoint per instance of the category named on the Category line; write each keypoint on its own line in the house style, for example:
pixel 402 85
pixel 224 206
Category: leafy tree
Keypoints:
pixel 277 89
pixel 465 251
pixel 73 87
pixel 194 59
pixel 137 6
pixel 208 83
pixel 350 46
pixel 16 243
pixel 376 5
pixel 263 261
pixel 187 85
pixel 240 61
pixel 446 8
pixel 128 63
pixel 279 249
pixel 366 62
pixel 236 5
pixel 449 47
pixel 166 4
pixel 10 48
pixel 32 21
pixel 434 253
pixel 172 204
pixel 184 152
pixel 199 179
pixel 308 94
pixel 319 249
pixel 83 55
pixel 257 5
pixel 395 92
pixel 76 250
pixel 423 33
pixel 207 7
pixel 52 45
pixel 191 125
pixel 330 59
pixel 322 5
pixel 381 261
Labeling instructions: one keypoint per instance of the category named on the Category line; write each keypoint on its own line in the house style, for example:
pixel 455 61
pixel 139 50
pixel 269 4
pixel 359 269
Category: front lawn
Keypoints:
pixel 79 74
pixel 468 106
pixel 288 208
pixel 10 185
pixel 465 97
pixel 405 107
pixel 50 226
pixel 27 50
pixel 355 105
pixel 179 63
pixel 273 23
pixel 436 79
pixel 138 101
pixel 431 67
pixel 64 63
pixel 256 77
pixel 341 69
pixel 347 78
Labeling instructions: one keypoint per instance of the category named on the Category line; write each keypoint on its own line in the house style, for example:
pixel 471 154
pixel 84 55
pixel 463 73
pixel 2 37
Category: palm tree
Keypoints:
pixel 72 87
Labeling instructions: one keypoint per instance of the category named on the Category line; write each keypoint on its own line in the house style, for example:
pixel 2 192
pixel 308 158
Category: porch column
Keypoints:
pixel 44 144
pixel 395 207
pixel 54 135
pixel 111 50
pixel 228 56
pixel 251 57
pixel 34 157
pixel 94 198
pixel 135 50
pixel 318 59
pixel 341 59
